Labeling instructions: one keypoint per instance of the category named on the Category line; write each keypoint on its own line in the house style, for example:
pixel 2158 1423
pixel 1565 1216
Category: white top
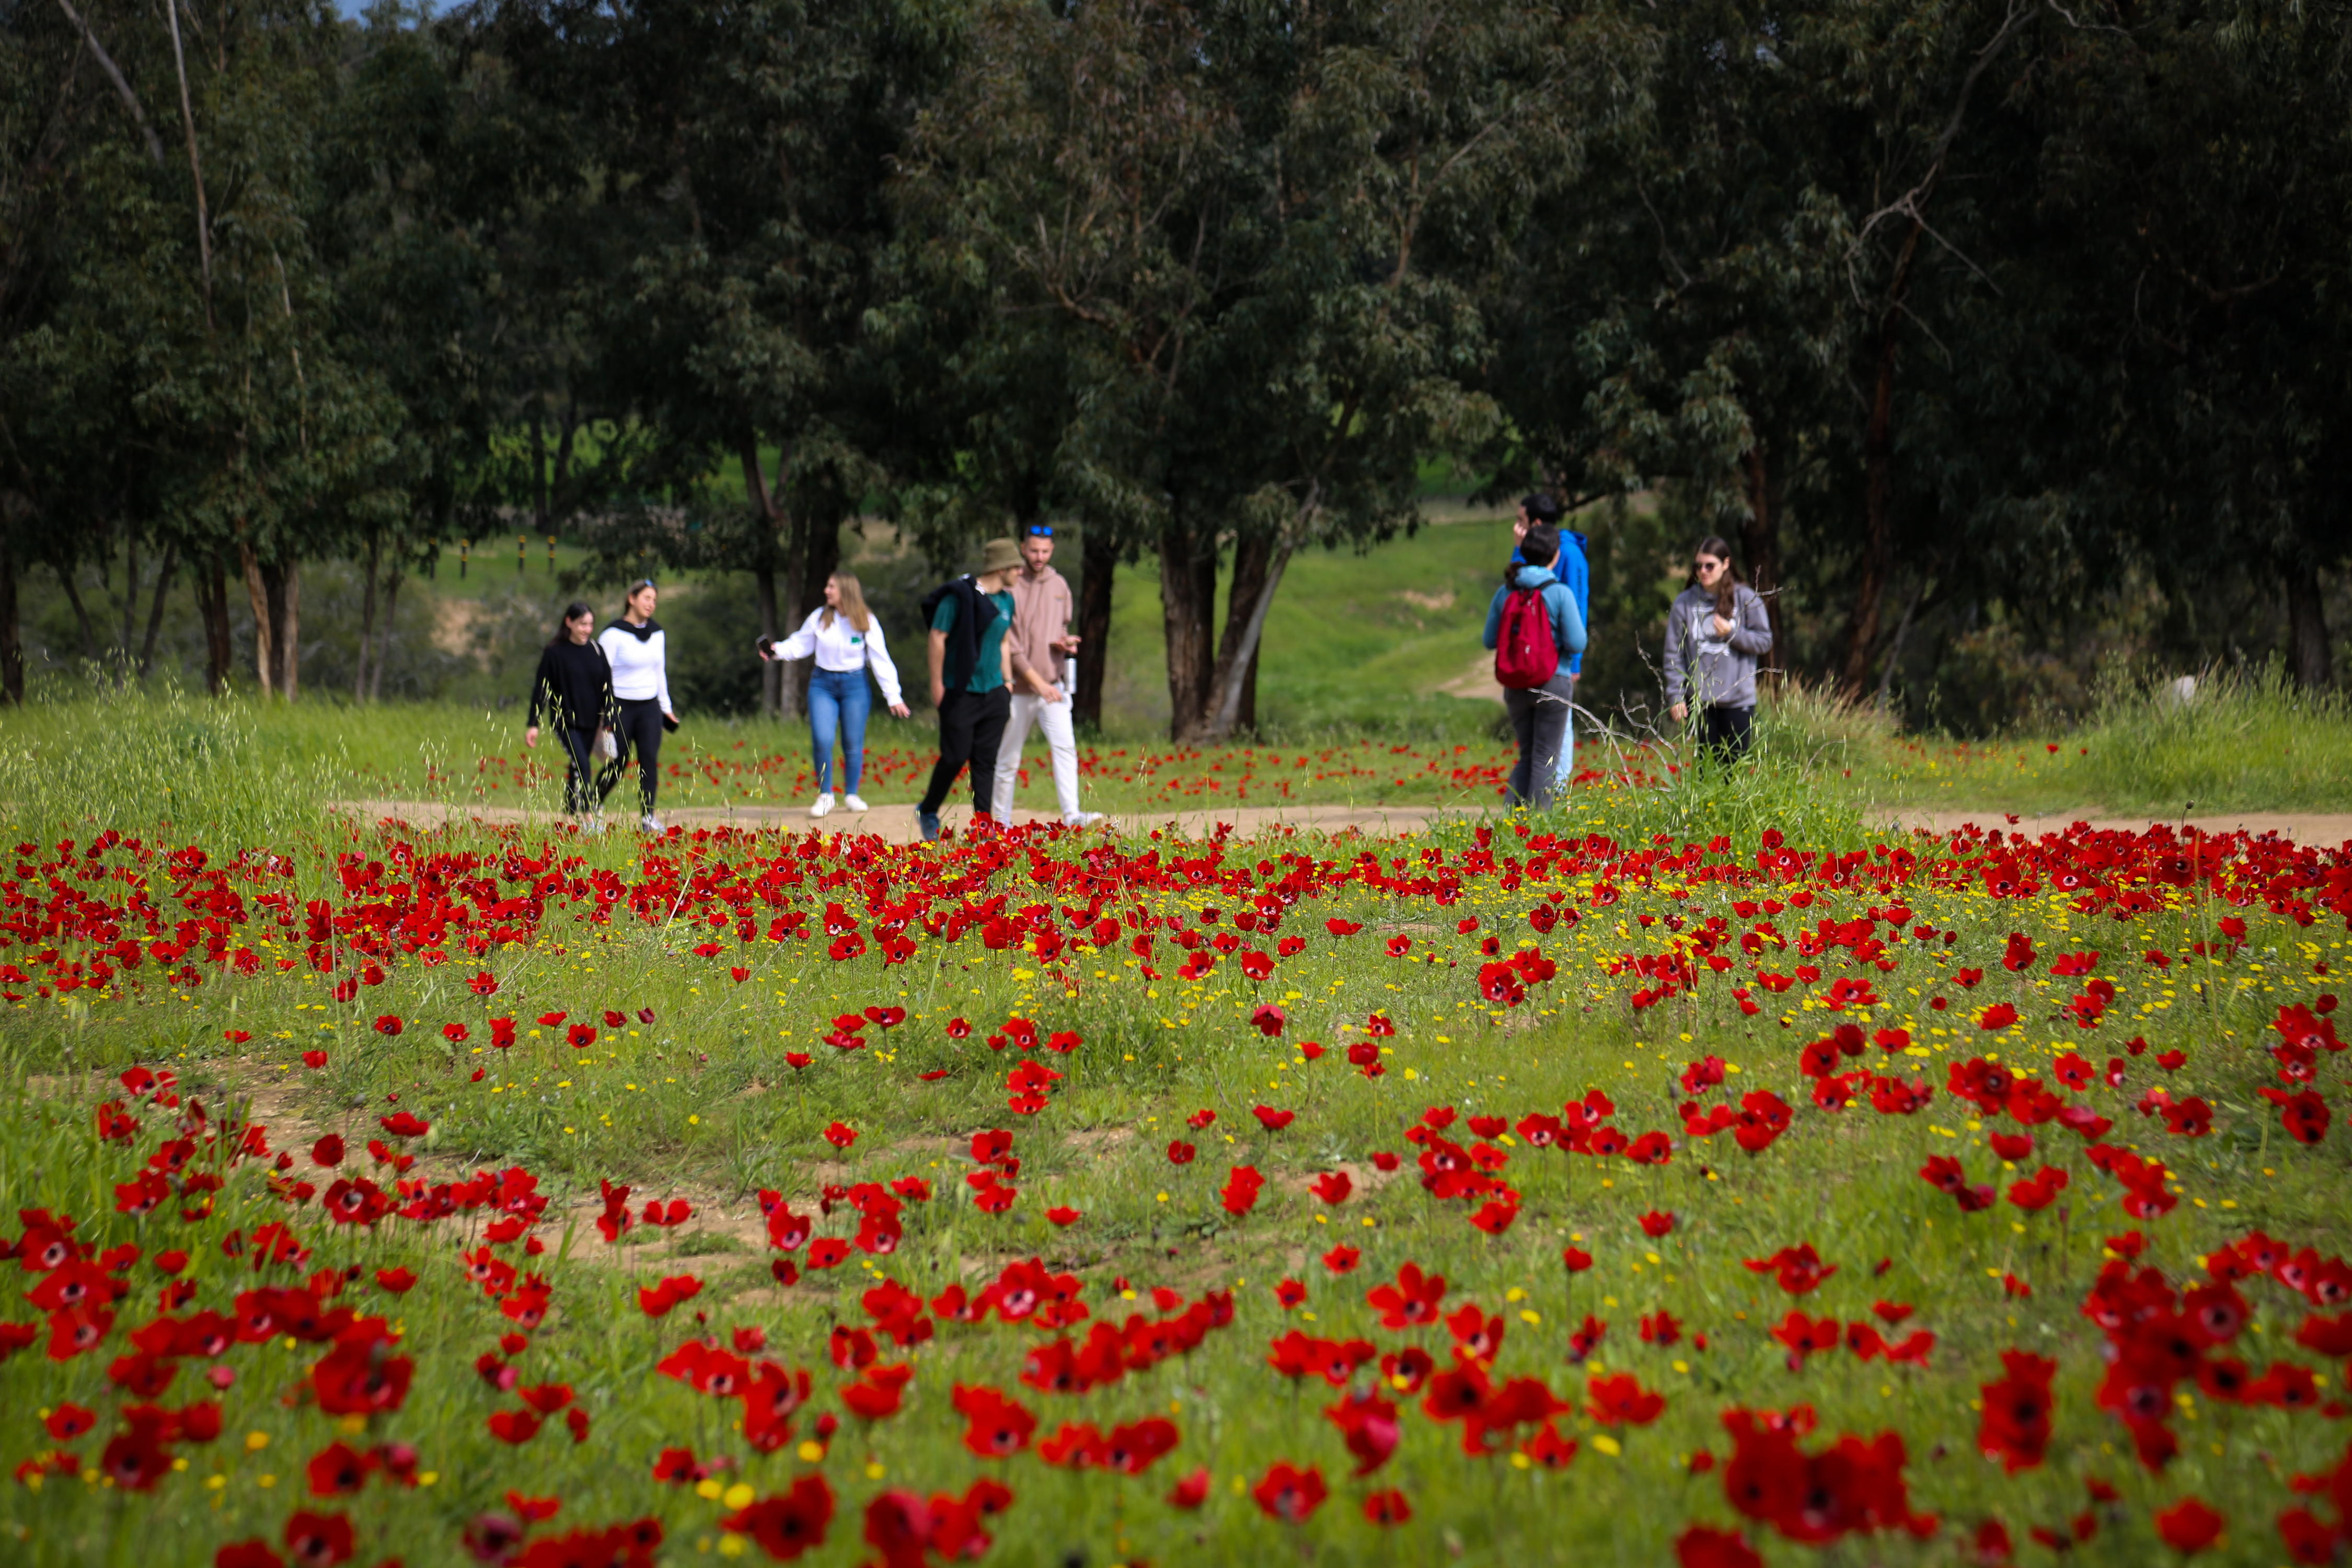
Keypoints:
pixel 639 669
pixel 841 647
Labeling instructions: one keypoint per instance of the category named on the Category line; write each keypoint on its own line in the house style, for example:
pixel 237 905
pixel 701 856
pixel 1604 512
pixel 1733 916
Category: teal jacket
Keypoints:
pixel 1567 620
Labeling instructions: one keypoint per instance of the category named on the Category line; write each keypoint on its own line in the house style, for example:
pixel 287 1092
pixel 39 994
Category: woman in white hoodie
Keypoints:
pixel 637 651
pixel 845 640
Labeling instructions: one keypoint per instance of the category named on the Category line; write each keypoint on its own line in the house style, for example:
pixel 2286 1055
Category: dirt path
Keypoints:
pixel 895 824
pixel 2325 829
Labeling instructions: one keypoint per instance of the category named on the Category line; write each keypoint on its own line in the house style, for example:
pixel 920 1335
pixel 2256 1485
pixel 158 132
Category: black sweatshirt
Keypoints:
pixel 574 685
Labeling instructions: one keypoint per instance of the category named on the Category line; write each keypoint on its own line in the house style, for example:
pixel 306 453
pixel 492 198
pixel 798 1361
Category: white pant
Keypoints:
pixel 1054 717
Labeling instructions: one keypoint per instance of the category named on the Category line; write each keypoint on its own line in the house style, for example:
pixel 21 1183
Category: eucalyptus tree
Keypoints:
pixel 740 154
pixel 182 376
pixel 1213 220
pixel 1080 173
pixel 2200 174
pixel 419 167
pixel 1779 289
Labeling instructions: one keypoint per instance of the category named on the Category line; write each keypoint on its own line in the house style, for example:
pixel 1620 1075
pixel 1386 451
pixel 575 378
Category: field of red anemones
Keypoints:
pixel 1508 1193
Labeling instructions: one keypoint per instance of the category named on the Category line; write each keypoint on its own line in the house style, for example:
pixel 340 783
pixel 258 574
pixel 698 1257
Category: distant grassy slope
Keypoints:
pixel 1346 648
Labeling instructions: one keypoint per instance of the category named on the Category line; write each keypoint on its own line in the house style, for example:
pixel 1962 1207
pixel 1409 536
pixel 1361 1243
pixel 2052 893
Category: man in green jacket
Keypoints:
pixel 971 669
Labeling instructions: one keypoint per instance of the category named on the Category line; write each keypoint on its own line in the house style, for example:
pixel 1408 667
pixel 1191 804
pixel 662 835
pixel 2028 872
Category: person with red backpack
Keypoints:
pixel 1536 629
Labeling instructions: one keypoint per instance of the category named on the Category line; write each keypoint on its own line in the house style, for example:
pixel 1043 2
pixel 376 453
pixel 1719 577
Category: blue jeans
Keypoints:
pixel 842 697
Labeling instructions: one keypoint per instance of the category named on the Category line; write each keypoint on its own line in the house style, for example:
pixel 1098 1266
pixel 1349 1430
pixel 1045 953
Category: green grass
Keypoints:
pixel 254 774
pixel 701 1102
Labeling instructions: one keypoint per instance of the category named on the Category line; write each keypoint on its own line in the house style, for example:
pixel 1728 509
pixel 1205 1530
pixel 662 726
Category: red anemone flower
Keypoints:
pixel 1290 1494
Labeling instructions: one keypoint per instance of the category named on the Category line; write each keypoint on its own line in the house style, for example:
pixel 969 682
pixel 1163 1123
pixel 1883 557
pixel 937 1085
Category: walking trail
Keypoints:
pixel 895 824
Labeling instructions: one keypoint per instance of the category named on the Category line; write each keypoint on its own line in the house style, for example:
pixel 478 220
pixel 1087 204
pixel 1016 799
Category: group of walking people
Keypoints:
pixel 1000 651
pixel 1717 631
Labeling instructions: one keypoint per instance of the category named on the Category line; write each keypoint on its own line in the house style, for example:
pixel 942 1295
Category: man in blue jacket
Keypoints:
pixel 1542 717
pixel 1574 569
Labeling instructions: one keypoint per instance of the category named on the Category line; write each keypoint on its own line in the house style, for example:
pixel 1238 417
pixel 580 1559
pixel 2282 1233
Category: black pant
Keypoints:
pixel 580 776
pixel 971 725
pixel 1542 722
pixel 639 730
pixel 1728 732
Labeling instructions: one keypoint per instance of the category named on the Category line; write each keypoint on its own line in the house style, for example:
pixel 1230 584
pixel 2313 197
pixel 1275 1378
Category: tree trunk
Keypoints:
pixel 1252 556
pixel 275 590
pixel 763 501
pixel 1258 566
pixel 1188 601
pixel 538 512
pixel 1878 435
pixel 367 619
pixel 1245 717
pixel 384 639
pixel 12 644
pixel 820 557
pixel 1760 541
pixel 155 613
pixel 81 614
pixel 1877 488
pixel 2309 658
pixel 212 606
pixel 816 552
pixel 129 591
pixel 772 673
pixel 195 165
pixel 264 660
pixel 1894 649
pixel 285 597
pixel 1097 569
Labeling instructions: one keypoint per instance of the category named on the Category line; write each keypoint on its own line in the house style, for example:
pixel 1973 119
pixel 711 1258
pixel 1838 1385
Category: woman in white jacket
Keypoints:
pixel 845 640
pixel 636 649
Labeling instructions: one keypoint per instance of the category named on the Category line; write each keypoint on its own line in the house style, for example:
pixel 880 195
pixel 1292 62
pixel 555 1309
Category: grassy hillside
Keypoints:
pixel 1354 642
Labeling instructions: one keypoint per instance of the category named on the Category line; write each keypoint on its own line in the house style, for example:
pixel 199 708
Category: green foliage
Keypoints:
pixel 1920 303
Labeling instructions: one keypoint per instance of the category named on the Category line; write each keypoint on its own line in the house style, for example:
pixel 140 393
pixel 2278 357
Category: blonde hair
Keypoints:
pixel 852 605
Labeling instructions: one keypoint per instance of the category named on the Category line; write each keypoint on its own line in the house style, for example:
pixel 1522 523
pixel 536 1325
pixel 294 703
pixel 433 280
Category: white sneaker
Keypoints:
pixel 855 802
pixel 651 824
pixel 820 805
pixel 1083 819
pixel 593 824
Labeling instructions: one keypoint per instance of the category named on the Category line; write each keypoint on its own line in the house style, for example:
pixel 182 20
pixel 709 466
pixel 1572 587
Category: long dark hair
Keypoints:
pixel 572 611
pixel 1539 547
pixel 1726 593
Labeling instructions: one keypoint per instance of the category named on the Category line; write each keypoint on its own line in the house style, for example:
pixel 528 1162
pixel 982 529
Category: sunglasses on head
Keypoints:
pixel 1040 531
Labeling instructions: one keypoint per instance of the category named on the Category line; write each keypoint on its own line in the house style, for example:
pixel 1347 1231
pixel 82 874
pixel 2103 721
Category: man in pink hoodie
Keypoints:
pixel 1041 647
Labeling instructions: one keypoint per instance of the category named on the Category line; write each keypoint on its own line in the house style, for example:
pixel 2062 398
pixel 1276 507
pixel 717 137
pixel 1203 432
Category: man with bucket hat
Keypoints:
pixel 971 674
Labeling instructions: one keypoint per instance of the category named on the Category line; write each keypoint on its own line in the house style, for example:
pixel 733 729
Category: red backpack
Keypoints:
pixel 1525 655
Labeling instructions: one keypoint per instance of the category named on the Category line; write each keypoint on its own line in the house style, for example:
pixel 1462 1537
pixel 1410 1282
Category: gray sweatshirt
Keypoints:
pixel 1714 671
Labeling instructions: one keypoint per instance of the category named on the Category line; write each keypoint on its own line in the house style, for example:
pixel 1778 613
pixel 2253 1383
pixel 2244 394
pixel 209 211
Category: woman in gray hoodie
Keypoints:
pixel 1715 632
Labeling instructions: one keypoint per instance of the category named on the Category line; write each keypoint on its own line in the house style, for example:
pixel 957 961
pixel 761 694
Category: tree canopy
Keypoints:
pixel 1991 331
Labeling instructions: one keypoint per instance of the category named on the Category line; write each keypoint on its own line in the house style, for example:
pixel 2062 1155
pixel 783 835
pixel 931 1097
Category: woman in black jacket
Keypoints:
pixel 574 687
